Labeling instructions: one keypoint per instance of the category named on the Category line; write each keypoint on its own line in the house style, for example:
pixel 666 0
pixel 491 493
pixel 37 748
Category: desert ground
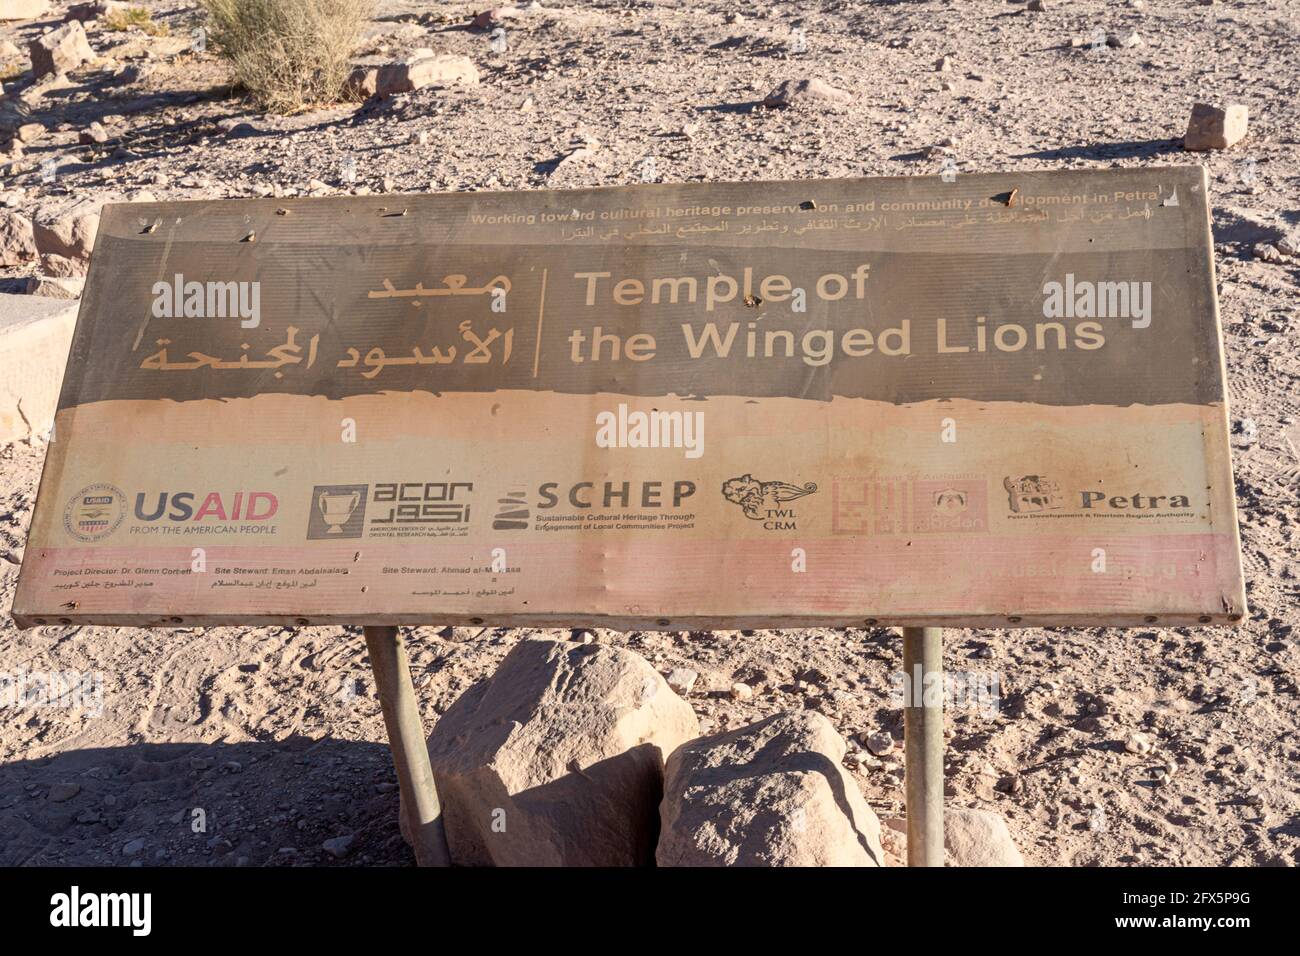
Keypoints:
pixel 276 733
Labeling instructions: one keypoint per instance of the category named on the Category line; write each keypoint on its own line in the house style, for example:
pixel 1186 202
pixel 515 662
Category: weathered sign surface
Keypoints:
pixel 995 400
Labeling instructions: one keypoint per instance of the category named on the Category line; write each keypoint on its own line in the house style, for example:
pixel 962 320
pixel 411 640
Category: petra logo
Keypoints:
pixel 74 908
pixel 1090 500
pixel 1098 300
pixel 1032 493
pixel 653 429
pixel 179 299
pixel 179 506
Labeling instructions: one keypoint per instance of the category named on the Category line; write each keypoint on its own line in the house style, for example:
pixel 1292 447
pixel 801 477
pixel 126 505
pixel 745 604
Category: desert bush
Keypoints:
pixel 120 20
pixel 288 54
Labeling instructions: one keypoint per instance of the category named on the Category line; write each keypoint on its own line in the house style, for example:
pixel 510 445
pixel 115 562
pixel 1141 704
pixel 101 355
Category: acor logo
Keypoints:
pixel 94 512
pixel 337 511
pixel 763 500
pixel 1032 493
pixel 208 300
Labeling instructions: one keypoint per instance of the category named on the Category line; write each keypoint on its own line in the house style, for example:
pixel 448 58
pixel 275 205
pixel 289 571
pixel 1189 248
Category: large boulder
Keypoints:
pixel 67 229
pixel 60 50
pixel 770 794
pixel 558 758
pixel 35 334
pixel 373 77
pixel 970 838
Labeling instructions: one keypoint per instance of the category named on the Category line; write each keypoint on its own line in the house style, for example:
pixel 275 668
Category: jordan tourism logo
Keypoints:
pixel 950 502
pixel 1032 493
pixel 764 500
pixel 337 511
pixel 94 512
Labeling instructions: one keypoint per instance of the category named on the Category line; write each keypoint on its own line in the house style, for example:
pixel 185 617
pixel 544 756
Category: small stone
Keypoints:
pixel 682 679
pixel 1265 252
pixel 1139 743
pixel 944 65
pixel 61 792
pixel 29 133
pixel 741 691
pixel 879 743
pixel 133 847
pixel 94 133
pixel 805 92
pixel 340 846
pixel 1123 41
pixel 1037 6
pixel 1245 432
pixel 495 17
pixel 1212 128
pixel 53 287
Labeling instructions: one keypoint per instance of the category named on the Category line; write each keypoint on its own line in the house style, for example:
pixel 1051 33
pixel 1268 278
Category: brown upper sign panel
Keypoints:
pixel 988 401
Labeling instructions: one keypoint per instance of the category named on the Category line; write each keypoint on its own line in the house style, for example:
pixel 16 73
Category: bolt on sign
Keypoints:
pixel 995 400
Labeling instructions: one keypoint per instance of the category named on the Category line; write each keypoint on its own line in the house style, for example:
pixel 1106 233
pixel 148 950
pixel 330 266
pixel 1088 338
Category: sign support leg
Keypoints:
pixel 406 740
pixel 923 744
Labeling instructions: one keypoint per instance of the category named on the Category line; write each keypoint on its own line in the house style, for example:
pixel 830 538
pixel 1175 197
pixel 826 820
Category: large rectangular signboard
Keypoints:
pixel 995 400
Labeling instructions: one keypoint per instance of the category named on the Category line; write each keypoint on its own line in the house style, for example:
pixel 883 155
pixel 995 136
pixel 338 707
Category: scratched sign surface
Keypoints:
pixel 996 400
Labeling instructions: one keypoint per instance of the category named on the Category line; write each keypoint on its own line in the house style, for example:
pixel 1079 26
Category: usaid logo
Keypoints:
pixel 179 299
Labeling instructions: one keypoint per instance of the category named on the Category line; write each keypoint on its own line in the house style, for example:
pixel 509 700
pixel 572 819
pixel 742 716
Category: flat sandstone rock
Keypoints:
pixel 558 759
pixel 770 794
pixel 812 92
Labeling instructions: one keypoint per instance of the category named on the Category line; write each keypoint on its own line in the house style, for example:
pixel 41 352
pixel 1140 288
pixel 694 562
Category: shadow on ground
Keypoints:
pixel 244 804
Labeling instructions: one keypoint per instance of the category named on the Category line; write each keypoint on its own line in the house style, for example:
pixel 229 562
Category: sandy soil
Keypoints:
pixel 275 734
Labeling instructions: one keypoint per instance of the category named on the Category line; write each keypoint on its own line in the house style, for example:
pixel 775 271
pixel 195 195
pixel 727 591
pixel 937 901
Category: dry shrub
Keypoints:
pixel 138 18
pixel 288 54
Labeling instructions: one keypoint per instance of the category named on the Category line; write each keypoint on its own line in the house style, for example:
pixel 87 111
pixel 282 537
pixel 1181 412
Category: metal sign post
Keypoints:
pixel 406 739
pixel 923 744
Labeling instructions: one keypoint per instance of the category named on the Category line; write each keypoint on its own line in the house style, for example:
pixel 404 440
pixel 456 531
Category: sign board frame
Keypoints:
pixel 866 257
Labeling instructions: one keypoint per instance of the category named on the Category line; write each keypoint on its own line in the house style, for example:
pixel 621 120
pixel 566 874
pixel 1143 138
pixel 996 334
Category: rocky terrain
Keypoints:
pixel 244 746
